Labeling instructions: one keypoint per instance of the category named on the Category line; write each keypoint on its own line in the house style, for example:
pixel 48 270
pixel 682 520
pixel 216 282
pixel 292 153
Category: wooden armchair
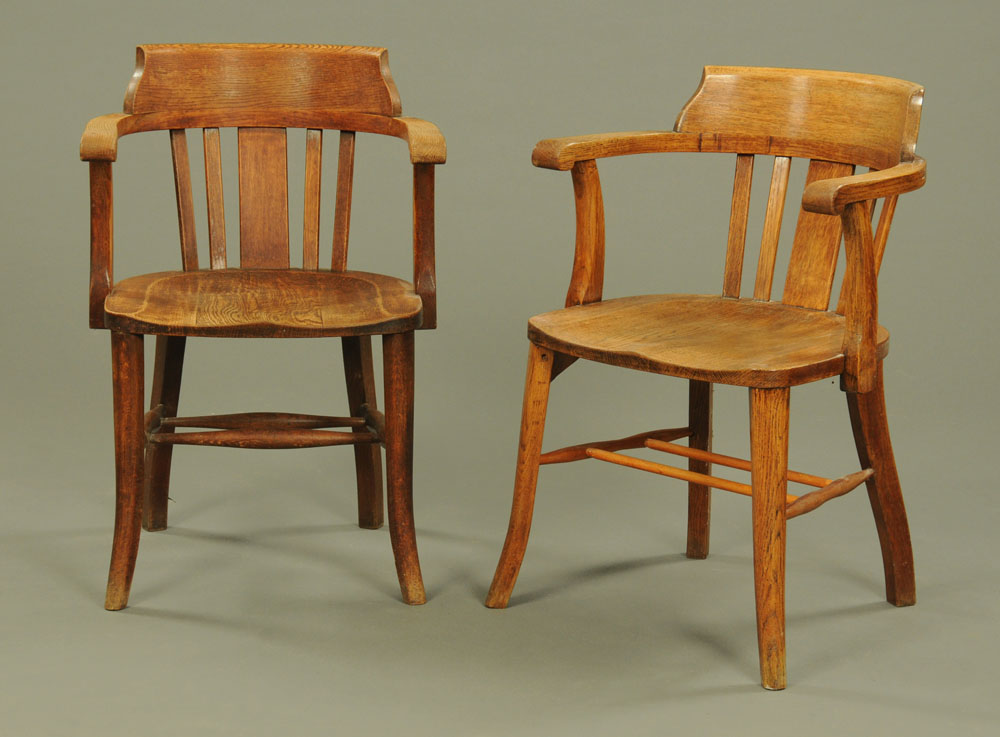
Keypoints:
pixel 262 90
pixel 837 121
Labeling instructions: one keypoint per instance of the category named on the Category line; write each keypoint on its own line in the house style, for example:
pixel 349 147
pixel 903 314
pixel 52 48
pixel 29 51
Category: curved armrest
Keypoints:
pixel 831 196
pixel 100 139
pixel 562 153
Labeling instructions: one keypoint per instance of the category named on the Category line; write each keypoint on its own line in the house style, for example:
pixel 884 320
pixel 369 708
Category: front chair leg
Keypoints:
pixel 871 434
pixel 367 457
pixel 166 394
pixel 130 441
pixel 536 399
pixel 397 359
pixel 769 466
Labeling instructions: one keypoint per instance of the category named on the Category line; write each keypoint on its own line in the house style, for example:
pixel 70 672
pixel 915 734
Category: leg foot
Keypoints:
pixel 769 461
pixel 536 398
pixel 130 441
pixel 398 368
pixel 871 434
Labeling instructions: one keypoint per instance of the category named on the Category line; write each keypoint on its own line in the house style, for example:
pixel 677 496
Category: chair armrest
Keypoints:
pixel 100 138
pixel 427 145
pixel 563 153
pixel 831 196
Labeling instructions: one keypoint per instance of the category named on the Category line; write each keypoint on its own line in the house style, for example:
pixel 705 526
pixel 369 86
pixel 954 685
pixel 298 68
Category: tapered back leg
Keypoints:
pixel 871 434
pixel 130 441
pixel 529 450
pixel 699 495
pixel 163 401
pixel 367 457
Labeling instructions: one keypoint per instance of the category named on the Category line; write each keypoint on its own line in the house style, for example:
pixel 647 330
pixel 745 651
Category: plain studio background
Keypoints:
pixel 265 610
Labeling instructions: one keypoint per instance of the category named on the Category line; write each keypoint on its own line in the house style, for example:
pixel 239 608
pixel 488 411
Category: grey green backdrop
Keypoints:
pixel 264 610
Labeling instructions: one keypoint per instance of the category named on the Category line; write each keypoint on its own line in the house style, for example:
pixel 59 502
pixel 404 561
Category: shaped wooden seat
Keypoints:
pixel 265 303
pixel 742 342
pixel 262 90
pixel 837 121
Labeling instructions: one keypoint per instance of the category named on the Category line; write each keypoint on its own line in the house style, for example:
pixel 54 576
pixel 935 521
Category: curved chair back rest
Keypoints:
pixel 181 77
pixel 835 119
pixel 260 88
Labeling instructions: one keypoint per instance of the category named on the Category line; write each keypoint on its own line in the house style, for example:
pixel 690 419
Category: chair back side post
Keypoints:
pixel 587 281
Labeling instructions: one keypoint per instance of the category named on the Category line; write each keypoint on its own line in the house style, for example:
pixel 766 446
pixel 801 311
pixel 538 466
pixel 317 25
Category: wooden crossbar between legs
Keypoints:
pixel 795 505
pixel 264 438
pixel 579 452
pixel 722 460
pixel 262 420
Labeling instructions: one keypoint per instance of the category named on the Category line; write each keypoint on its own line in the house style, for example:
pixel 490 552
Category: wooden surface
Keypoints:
pixel 700 397
pixel 872 120
pixel 579 452
pixel 101 238
pixel 739 212
pixel 185 199
pixel 342 208
pixel 359 375
pixel 163 399
pixel 727 341
pixel 772 228
pixel 769 461
pixel 214 198
pixel 263 169
pixel 276 303
pixel 398 372
pixel 311 199
pixel 529 449
pixel 130 441
pixel 253 76
pixel 587 281
pixel 424 140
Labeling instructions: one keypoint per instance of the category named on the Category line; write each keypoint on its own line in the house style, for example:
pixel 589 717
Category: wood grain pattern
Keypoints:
pixel 815 499
pixel 359 374
pixel 871 434
pixel 185 199
pixel 214 199
pixel 424 264
pixel 424 140
pixel 769 459
pixel 861 301
pixel 727 341
pixel 163 400
pixel 130 441
pixel 101 238
pixel 832 195
pixel 250 76
pixel 587 281
pixel 739 213
pixel 342 208
pixel 529 449
pixel 311 199
pixel 772 228
pixel 263 438
pixel 263 198
pixel 278 303
pixel 262 420
pixel 398 371
pixel 699 496
pixel 869 117
pixel 815 249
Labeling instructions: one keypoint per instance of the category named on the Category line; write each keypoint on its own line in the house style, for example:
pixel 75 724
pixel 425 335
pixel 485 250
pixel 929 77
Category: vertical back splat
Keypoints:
pixel 342 212
pixel 310 222
pixel 263 171
pixel 772 228
pixel 213 192
pixel 738 225
pixel 185 200
pixel 816 246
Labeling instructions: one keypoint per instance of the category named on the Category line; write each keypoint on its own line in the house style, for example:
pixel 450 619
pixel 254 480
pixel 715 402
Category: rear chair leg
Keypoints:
pixel 769 466
pixel 699 496
pixel 397 359
pixel 166 392
pixel 871 434
pixel 367 456
pixel 536 399
pixel 130 440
